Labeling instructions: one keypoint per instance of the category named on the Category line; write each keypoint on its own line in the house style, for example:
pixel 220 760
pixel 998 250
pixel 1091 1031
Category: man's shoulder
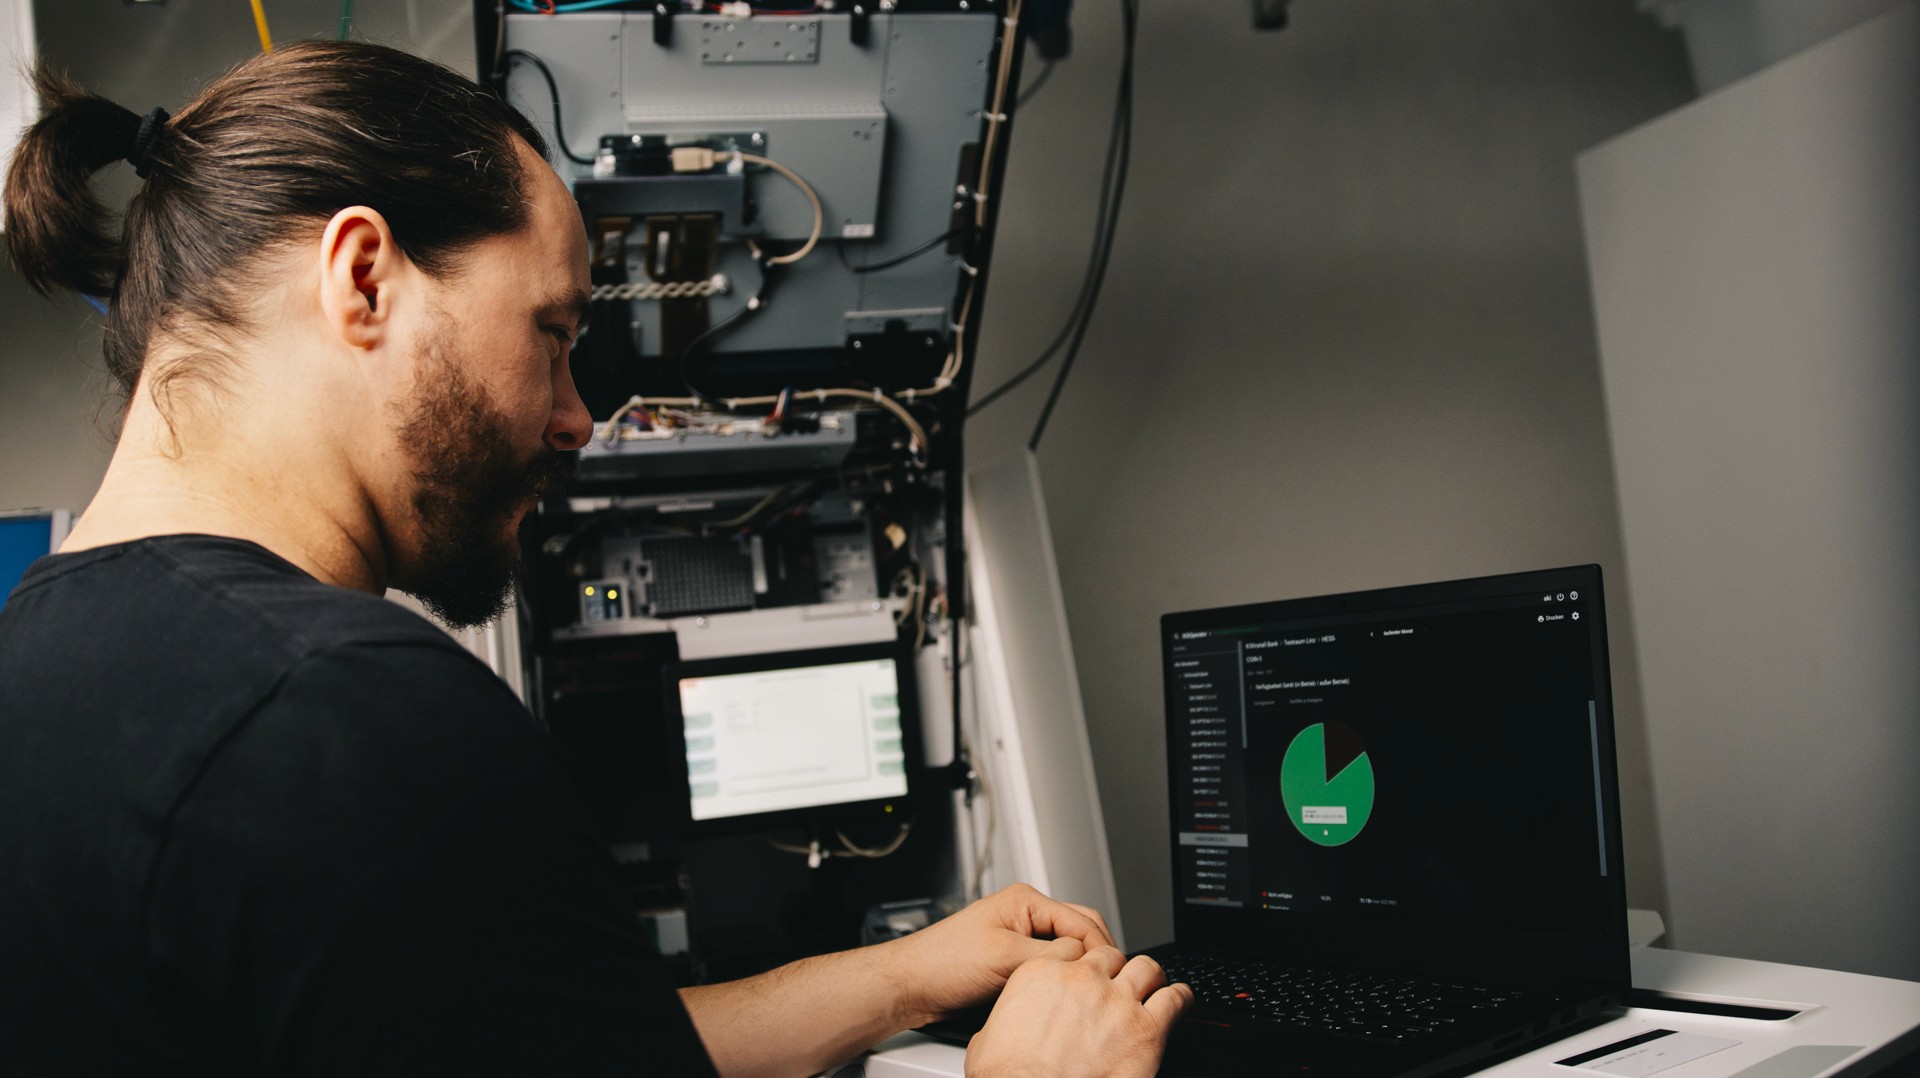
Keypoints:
pixel 265 590
pixel 139 663
pixel 369 683
pixel 211 587
pixel 391 698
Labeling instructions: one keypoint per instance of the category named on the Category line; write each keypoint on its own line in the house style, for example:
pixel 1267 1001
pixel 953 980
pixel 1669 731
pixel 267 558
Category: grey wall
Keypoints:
pixel 1346 343
pixel 54 436
pixel 1731 39
pixel 1756 266
pixel 56 424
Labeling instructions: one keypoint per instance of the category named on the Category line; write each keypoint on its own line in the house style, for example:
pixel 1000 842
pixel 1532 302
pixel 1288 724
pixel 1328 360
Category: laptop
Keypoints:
pixel 1395 824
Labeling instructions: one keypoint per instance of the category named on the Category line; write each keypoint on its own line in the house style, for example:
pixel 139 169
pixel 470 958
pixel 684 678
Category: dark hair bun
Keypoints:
pixel 58 232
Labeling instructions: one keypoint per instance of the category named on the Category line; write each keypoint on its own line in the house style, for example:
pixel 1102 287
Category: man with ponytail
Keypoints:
pixel 254 819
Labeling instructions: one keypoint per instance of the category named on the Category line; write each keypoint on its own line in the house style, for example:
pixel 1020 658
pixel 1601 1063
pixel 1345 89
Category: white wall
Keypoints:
pixel 1346 343
pixel 17 105
pixel 1757 276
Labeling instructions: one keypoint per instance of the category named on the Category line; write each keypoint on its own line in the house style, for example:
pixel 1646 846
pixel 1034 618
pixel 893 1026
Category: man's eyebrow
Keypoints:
pixel 575 302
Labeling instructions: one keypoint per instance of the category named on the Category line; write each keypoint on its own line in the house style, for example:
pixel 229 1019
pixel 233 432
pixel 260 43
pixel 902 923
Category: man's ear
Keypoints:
pixel 360 266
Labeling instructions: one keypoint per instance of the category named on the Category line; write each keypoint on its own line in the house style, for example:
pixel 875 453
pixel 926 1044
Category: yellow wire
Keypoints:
pixel 260 24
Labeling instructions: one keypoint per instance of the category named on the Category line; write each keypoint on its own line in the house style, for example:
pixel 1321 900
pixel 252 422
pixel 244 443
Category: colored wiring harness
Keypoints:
pixel 697 158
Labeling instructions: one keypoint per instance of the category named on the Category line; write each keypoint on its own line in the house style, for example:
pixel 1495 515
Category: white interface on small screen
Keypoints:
pixel 774 740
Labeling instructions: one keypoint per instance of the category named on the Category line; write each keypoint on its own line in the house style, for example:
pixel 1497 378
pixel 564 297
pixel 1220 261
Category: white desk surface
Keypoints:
pixel 1874 1019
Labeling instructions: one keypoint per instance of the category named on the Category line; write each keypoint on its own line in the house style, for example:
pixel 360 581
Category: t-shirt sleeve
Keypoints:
pixel 387 869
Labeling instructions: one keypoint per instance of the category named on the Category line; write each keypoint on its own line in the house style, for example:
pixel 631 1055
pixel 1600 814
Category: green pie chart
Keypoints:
pixel 1326 782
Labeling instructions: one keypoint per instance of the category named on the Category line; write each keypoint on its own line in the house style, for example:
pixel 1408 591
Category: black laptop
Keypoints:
pixel 1395 827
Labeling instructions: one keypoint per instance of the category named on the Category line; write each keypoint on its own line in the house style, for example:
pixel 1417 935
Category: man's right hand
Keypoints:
pixel 1072 1011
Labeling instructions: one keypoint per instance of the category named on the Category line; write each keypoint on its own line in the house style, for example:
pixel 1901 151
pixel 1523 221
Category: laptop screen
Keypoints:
pixel 1437 756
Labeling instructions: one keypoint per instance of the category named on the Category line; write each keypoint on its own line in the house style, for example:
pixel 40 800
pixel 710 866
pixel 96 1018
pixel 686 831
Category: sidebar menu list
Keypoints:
pixel 1208 698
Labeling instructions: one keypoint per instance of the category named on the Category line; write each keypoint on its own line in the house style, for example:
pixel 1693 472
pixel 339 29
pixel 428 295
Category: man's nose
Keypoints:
pixel 570 425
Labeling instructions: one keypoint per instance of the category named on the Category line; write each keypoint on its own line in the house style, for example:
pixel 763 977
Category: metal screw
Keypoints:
pixel 701 622
pixel 856 346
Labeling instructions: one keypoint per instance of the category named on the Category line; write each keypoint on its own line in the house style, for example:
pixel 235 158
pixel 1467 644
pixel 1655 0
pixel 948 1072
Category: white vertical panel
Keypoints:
pixel 1756 270
pixel 1029 693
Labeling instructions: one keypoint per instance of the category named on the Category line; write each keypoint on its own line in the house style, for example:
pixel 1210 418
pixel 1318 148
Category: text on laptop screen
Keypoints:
pixel 1438 762
pixel 776 740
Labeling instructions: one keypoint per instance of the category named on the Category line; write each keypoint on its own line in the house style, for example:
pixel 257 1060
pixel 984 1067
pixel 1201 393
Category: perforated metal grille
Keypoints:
pixel 698 575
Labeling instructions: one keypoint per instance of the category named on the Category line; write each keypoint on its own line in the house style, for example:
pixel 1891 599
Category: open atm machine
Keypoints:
pixel 740 619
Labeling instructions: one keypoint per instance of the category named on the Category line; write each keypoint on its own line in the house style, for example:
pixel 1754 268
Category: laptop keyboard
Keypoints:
pixel 1368 1006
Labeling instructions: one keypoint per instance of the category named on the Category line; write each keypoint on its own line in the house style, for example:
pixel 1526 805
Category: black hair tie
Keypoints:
pixel 143 141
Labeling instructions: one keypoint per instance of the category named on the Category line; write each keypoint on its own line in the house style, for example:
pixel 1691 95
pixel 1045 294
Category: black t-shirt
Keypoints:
pixel 255 824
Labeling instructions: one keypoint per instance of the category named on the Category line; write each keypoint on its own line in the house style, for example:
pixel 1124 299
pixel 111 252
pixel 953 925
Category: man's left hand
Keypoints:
pixel 964 960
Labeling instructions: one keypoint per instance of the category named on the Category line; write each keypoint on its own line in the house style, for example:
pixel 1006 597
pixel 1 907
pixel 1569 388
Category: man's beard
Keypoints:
pixel 469 484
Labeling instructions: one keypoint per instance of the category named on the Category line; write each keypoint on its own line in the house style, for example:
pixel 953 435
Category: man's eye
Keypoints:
pixel 561 334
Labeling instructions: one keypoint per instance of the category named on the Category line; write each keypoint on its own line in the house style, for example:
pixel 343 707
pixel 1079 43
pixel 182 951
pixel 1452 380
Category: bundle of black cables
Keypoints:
pixel 1113 186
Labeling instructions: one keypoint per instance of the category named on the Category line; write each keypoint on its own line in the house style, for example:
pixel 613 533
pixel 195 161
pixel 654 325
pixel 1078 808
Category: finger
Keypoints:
pixel 1019 950
pixel 1107 960
pixel 1052 918
pixel 1167 1005
pixel 1141 977
pixel 1065 949
pixel 1091 914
